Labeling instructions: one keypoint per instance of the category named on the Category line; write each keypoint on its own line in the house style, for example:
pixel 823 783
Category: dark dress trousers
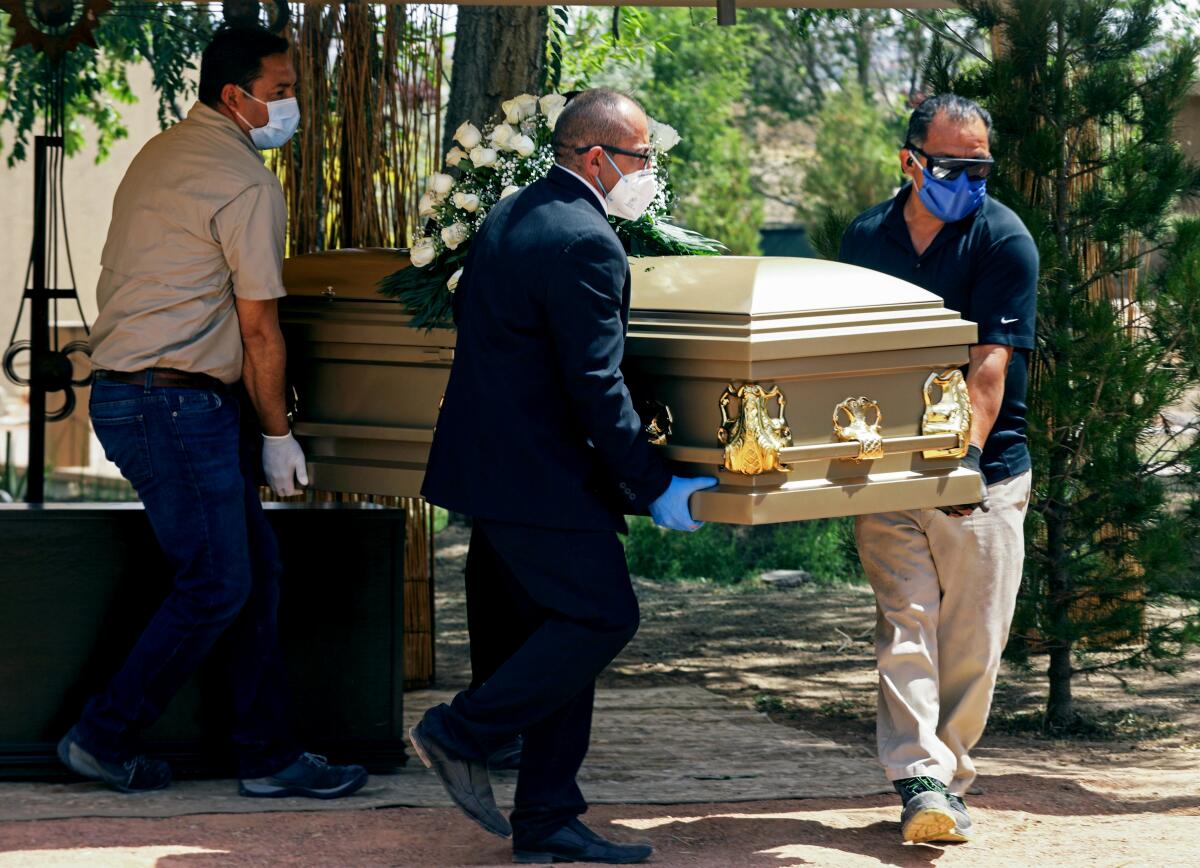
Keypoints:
pixel 538 440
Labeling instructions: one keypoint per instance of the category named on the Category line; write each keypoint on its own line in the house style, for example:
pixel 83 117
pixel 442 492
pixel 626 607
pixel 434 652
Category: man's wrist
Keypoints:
pixel 286 434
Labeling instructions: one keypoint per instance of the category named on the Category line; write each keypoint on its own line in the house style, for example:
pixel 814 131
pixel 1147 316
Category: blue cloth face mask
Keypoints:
pixel 951 201
pixel 283 117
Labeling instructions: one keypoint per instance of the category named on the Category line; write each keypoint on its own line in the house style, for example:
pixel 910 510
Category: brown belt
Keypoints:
pixel 163 378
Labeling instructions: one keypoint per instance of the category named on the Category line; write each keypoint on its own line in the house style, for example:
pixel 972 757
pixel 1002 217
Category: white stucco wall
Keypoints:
pixel 88 190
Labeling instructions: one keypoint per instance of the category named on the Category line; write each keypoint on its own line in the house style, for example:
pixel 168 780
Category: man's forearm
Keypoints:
pixel 263 372
pixel 985 383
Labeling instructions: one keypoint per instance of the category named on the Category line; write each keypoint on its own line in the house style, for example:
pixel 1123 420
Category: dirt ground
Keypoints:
pixel 1128 798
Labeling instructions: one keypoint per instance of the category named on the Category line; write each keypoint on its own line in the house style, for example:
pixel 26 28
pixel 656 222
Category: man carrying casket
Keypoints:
pixel 188 294
pixel 538 441
pixel 946 580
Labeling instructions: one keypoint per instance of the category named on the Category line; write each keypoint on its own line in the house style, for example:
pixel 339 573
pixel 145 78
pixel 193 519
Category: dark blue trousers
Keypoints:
pixel 548 610
pixel 180 448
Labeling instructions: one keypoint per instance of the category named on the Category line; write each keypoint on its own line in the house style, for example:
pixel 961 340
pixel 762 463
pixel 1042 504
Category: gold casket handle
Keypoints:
pixel 860 427
pixel 950 414
pixel 848 450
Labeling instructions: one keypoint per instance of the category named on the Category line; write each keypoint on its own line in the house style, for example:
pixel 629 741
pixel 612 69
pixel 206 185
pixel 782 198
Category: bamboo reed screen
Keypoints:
pixel 370 88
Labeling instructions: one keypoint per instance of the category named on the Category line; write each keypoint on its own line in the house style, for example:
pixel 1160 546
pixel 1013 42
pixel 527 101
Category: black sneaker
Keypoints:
pixel 137 775
pixel 927 814
pixel 311 776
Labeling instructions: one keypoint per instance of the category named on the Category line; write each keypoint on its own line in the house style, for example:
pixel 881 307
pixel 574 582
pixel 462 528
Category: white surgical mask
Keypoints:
pixel 631 196
pixel 283 117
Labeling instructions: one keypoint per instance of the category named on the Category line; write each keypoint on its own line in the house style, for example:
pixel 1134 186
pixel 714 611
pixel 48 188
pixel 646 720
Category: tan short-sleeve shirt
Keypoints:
pixel 197 220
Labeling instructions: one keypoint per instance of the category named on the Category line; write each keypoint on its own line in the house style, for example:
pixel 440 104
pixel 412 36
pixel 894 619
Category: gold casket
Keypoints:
pixel 811 389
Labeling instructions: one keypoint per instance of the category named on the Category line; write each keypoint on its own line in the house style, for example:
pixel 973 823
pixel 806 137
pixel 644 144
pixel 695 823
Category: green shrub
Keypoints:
pixel 729 554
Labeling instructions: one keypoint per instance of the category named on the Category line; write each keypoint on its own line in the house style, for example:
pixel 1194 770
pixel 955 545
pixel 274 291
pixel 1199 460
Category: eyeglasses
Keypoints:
pixel 647 157
pixel 949 168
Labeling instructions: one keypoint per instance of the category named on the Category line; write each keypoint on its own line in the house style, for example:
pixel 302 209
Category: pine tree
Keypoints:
pixel 1084 94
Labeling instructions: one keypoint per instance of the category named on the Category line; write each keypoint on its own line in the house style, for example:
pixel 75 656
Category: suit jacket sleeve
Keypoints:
pixel 584 312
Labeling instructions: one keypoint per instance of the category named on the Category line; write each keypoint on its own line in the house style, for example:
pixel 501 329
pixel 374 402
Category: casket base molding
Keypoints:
pixel 824 498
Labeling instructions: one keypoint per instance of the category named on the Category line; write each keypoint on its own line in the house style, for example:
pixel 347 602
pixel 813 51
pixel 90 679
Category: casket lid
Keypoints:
pixel 351 273
pixel 780 307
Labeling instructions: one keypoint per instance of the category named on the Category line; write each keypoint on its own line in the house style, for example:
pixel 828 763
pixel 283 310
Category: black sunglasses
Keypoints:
pixel 645 156
pixel 949 168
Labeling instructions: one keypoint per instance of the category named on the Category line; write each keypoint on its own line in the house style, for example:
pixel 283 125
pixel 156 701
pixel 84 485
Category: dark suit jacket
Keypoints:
pixel 537 426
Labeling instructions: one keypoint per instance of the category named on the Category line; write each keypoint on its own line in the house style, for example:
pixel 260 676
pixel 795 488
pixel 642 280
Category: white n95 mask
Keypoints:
pixel 283 117
pixel 631 196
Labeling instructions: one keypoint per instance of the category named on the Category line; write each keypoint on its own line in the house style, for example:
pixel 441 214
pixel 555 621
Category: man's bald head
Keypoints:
pixel 596 117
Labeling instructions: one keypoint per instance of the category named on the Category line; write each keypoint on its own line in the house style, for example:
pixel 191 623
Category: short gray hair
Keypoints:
pixel 957 109
pixel 591 117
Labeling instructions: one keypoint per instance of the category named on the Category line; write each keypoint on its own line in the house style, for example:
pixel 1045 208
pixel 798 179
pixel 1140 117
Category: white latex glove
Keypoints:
pixel 283 463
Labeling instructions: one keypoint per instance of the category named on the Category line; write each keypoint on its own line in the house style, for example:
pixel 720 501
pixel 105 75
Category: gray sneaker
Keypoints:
pixel 927 815
pixel 962 821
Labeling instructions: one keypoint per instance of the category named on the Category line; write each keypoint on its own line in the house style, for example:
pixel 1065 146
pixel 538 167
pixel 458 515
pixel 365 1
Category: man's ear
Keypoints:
pixel 231 96
pixel 590 163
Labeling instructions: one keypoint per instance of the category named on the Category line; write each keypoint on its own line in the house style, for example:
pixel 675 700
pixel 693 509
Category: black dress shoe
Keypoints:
pixel 508 757
pixel 466 780
pixel 575 842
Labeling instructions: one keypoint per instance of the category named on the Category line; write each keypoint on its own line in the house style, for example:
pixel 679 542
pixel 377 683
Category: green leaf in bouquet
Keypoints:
pixel 423 293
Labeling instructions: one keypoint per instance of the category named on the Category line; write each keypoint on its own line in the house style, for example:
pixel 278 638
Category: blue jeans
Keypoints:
pixel 180 450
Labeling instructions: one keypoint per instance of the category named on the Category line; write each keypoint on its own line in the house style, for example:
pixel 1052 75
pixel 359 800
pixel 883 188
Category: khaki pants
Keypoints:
pixel 945 590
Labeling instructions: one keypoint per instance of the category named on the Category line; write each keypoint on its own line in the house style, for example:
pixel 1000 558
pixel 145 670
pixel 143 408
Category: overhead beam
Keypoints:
pixel 745 4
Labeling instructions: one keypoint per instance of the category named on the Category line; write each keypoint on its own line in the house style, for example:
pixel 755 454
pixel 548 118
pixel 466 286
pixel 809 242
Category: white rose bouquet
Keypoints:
pixel 495 163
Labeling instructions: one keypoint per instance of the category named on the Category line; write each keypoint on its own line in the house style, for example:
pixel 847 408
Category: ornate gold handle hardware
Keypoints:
pixel 656 421
pixel 951 414
pixel 753 438
pixel 859 427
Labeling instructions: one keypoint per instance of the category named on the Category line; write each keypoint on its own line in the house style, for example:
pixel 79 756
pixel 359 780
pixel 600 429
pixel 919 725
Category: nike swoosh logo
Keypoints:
pixel 1006 321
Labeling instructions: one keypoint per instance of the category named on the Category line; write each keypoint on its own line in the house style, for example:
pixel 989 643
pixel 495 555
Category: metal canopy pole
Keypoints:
pixel 39 323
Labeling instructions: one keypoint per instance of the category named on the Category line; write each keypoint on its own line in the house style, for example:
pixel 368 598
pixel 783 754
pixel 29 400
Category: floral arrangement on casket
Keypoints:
pixel 496 163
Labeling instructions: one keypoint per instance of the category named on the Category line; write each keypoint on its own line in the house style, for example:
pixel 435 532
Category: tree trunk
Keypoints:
pixel 1060 710
pixel 1060 705
pixel 499 52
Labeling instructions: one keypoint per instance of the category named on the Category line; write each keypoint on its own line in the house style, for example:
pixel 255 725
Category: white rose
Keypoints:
pixel 551 101
pixel 508 191
pixel 468 135
pixel 523 145
pixel 663 136
pixel 527 103
pixel 426 205
pixel 481 157
pixel 454 235
pixel 455 155
pixel 466 201
pixel 552 116
pixel 423 252
pixel 502 136
pixel 440 184
pixel 452 283
pixel 519 107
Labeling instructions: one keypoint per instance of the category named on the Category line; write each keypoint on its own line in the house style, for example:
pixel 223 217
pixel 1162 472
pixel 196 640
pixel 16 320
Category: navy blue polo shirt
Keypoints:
pixel 985 268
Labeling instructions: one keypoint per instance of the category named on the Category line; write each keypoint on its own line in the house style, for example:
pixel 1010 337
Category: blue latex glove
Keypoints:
pixel 671 509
